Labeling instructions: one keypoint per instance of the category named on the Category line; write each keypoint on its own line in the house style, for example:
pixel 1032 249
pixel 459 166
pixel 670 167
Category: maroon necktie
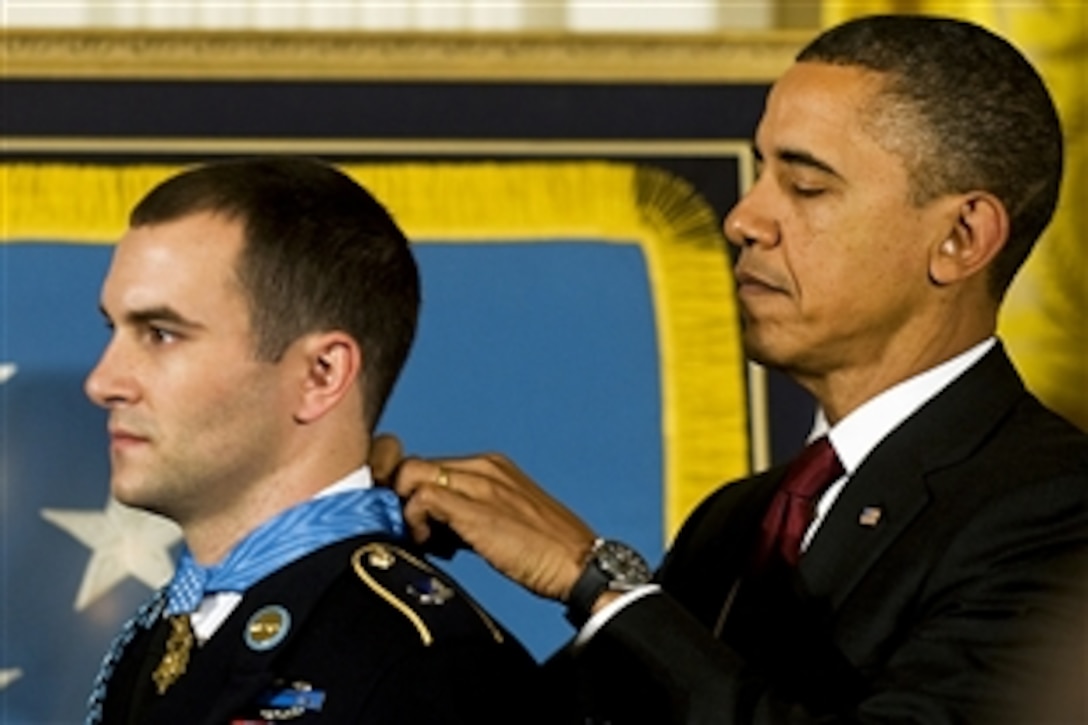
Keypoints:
pixel 794 504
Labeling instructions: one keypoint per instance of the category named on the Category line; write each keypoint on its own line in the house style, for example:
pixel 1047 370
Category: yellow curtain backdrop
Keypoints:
pixel 1045 318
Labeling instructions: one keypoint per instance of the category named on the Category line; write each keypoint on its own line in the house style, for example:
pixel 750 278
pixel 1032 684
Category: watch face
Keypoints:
pixel 623 565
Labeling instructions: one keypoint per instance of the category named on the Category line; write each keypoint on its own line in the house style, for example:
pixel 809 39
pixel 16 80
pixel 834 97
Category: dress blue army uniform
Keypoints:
pixel 361 630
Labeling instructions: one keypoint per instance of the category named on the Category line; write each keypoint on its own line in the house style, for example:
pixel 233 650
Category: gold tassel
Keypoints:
pixel 176 658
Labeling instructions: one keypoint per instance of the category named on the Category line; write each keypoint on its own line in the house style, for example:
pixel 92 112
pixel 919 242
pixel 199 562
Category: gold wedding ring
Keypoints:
pixel 442 478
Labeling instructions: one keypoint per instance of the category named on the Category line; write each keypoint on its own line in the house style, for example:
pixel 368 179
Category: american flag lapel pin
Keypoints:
pixel 870 516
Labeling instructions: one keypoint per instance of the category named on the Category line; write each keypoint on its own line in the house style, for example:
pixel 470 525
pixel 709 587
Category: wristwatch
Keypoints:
pixel 612 566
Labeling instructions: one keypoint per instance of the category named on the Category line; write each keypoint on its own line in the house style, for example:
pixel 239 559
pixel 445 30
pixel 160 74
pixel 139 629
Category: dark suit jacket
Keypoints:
pixel 368 627
pixel 949 609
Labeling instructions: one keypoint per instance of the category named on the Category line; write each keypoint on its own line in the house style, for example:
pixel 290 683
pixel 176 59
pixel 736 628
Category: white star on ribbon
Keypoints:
pixel 124 542
pixel 9 676
pixel 7 372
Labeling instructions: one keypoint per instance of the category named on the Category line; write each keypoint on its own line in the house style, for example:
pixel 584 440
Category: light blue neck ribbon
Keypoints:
pixel 289 536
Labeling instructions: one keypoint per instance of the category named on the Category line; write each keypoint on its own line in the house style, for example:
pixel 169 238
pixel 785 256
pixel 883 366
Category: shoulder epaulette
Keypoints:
pixel 412 586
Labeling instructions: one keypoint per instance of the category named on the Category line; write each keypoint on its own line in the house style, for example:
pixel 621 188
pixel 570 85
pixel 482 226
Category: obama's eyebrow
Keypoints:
pixel 798 157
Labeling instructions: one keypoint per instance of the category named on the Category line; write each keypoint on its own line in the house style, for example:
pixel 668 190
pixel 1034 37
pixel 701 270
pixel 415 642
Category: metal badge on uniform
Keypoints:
pixel 381 557
pixel 870 516
pixel 267 627
pixel 431 590
pixel 290 702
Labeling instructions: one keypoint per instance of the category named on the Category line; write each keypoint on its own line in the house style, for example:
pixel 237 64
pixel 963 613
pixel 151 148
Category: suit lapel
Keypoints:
pixel 846 547
pixel 714 547
pixel 893 478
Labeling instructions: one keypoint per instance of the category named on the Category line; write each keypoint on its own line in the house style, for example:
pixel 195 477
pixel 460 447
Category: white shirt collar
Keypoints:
pixel 360 478
pixel 856 435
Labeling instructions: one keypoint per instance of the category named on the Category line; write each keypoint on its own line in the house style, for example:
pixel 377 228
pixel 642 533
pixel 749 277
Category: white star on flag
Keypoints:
pixel 7 372
pixel 124 542
pixel 9 676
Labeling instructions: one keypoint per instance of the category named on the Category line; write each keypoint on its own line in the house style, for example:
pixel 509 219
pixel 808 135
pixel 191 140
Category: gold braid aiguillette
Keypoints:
pixel 176 658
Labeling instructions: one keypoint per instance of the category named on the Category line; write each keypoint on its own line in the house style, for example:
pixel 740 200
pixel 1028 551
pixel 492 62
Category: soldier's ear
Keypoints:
pixel 330 363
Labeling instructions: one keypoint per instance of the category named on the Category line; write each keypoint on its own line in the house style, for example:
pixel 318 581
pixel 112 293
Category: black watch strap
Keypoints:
pixel 591 584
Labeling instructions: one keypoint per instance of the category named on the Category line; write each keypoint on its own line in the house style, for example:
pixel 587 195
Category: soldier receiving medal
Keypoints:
pixel 261 311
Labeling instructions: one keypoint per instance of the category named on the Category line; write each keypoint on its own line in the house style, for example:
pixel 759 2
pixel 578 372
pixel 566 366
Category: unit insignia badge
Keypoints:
pixel 267 627
pixel 431 590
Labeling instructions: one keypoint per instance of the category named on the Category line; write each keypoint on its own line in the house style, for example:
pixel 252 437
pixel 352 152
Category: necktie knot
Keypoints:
pixel 186 590
pixel 794 504
pixel 813 470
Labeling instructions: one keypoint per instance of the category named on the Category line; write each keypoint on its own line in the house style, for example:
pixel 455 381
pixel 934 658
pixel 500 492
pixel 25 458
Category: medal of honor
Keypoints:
pixel 176 658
